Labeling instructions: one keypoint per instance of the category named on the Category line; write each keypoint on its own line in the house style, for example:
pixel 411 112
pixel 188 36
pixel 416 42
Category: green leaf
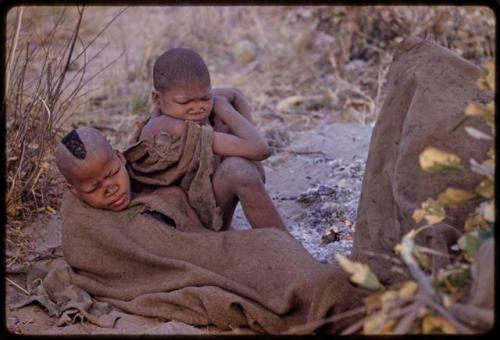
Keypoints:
pixel 469 243
pixel 485 234
pixel 434 160
pixel 361 274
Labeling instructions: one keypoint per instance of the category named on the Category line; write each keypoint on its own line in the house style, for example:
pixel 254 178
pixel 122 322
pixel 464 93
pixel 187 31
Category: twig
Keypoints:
pixel 13 48
pixel 395 314
pixel 60 79
pixel 431 251
pixel 355 326
pixel 315 324
pixel 18 286
pixel 407 245
pixel 406 321
pixel 444 312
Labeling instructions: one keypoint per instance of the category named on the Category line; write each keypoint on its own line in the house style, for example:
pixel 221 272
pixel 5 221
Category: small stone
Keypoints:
pixel 245 51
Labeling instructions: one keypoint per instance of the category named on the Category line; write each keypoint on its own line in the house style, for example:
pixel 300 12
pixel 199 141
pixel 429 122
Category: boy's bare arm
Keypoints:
pixel 237 99
pixel 240 103
pixel 245 141
pixel 162 123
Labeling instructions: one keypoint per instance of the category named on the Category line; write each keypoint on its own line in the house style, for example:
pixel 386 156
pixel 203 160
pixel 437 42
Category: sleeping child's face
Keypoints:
pixel 95 172
pixel 192 102
pixel 103 182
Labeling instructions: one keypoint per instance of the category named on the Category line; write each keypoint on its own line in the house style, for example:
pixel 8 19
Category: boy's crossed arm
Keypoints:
pixel 236 98
pixel 240 104
pixel 243 141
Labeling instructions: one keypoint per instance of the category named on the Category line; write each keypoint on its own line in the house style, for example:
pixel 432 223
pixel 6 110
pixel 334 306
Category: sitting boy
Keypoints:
pixel 183 97
pixel 151 256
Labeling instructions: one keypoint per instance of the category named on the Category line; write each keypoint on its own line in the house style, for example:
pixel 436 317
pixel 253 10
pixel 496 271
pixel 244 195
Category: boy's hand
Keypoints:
pixel 221 104
pixel 236 98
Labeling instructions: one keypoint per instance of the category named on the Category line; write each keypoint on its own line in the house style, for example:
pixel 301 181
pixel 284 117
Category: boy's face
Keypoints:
pixel 192 102
pixel 102 181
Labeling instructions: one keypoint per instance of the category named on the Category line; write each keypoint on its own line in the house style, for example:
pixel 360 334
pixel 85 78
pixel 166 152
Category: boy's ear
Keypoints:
pixel 155 96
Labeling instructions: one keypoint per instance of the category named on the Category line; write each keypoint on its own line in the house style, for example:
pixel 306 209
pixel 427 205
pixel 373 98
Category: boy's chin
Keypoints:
pixel 200 122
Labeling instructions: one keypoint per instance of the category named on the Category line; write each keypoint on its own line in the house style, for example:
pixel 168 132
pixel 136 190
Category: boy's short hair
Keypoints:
pixel 179 66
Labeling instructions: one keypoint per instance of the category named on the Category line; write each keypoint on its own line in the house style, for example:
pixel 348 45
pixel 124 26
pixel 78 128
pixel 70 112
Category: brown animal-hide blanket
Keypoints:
pixel 186 161
pixel 428 88
pixel 177 269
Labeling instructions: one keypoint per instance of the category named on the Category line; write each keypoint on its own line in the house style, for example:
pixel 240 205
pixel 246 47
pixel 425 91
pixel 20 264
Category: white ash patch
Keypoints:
pixel 327 223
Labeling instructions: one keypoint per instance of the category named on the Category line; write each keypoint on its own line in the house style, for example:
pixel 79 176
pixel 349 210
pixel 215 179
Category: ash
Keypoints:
pixel 327 223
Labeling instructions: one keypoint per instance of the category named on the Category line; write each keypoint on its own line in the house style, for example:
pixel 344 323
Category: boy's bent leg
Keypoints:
pixel 238 179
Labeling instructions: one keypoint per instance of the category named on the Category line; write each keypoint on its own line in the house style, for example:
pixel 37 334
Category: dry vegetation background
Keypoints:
pixel 69 66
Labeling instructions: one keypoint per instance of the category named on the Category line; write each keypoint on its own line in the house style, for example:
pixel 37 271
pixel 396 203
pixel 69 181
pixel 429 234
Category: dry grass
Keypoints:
pixel 47 70
pixel 338 54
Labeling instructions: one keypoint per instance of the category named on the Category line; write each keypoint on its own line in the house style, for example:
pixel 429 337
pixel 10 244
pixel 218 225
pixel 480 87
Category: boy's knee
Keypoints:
pixel 239 172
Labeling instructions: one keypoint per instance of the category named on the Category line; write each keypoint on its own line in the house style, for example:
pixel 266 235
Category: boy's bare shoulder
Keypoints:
pixel 162 123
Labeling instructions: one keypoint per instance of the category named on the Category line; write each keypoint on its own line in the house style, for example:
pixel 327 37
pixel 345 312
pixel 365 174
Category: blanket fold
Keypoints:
pixel 186 161
pixel 262 279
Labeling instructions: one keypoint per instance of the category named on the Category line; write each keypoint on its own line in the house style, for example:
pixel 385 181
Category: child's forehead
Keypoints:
pixel 95 163
pixel 189 89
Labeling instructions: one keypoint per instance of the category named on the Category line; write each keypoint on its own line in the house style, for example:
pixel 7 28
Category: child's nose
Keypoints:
pixel 199 107
pixel 111 189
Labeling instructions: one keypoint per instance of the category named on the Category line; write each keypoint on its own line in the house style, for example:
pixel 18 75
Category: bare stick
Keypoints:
pixel 394 314
pixel 13 48
pixel 315 324
pixel 444 312
pixel 407 245
pixel 406 321
pixel 18 286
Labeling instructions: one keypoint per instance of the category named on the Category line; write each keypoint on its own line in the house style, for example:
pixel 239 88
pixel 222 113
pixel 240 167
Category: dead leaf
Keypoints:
pixel 408 289
pixel 418 215
pixel 378 325
pixel 434 160
pixel 453 197
pixel 434 211
pixel 474 220
pixel 432 324
pixel 486 188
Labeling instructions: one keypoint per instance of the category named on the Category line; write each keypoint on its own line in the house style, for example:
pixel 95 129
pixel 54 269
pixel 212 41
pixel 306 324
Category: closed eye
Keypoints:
pixel 91 190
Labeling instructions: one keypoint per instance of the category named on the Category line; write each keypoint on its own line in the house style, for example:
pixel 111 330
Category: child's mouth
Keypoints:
pixel 119 201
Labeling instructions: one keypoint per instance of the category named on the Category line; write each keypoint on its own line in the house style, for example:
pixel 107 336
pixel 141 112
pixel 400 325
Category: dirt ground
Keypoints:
pixel 319 172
